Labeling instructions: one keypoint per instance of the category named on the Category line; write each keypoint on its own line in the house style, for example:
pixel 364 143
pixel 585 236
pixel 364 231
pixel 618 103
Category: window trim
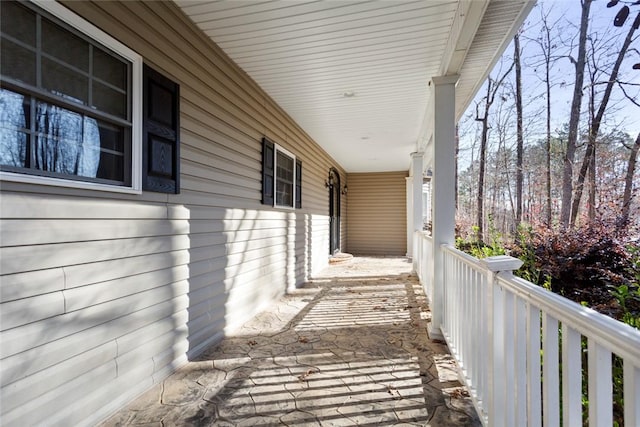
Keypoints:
pixel 102 38
pixel 276 148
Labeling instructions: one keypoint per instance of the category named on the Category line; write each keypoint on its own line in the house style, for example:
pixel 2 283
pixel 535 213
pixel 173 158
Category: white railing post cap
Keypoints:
pixel 501 263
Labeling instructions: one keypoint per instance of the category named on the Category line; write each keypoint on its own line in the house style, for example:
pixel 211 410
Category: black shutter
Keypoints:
pixel 298 184
pixel 267 171
pixel 160 134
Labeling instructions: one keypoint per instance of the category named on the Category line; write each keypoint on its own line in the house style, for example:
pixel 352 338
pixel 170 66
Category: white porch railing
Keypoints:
pixel 520 347
pixel 423 247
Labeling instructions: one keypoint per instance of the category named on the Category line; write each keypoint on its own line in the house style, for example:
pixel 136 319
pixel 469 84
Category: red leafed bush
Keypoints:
pixel 583 264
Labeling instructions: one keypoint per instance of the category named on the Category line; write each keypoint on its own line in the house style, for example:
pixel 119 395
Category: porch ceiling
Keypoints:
pixel 354 74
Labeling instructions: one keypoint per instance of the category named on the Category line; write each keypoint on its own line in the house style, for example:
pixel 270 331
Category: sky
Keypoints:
pixel 567 14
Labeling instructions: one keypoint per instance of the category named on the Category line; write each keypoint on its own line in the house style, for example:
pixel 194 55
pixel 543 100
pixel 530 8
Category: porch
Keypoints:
pixel 349 348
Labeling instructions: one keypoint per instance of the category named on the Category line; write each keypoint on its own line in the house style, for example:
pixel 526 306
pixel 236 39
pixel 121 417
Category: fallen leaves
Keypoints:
pixel 304 376
pixel 303 339
pixel 393 391
pixel 459 393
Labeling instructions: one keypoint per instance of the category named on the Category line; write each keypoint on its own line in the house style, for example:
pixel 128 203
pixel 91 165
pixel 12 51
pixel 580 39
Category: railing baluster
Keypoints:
pixel 509 352
pixel 550 365
pixel 457 320
pixel 475 320
pixel 600 388
pixel 498 356
pixel 484 339
pixel 571 377
pixel 464 319
pixel 534 383
pixel 520 355
pixel 631 393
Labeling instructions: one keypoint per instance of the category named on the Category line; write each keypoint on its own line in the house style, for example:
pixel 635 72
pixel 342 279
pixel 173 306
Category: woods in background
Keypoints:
pixel 553 138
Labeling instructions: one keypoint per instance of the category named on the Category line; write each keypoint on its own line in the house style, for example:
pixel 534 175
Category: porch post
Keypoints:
pixel 443 190
pixel 409 218
pixel 416 201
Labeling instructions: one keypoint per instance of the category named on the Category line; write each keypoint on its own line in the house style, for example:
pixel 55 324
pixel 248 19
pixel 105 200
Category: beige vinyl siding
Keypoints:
pixel 104 294
pixel 377 221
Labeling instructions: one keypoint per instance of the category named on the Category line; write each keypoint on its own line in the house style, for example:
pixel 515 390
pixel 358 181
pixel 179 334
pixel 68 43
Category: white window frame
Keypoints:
pixel 135 59
pixel 288 153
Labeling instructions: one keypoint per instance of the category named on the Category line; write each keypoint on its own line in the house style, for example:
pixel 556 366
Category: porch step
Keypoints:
pixel 340 257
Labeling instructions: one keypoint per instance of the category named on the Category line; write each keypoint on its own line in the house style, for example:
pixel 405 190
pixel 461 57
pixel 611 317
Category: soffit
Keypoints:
pixel 353 74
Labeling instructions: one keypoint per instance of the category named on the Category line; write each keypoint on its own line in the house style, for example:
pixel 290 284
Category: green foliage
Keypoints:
pixel 475 247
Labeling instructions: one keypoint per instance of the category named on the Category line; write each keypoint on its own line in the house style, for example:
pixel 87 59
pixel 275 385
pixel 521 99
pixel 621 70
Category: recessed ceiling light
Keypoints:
pixel 349 94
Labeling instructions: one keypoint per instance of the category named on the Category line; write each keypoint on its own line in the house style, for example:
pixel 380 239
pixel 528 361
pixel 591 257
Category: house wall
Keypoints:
pixel 105 294
pixel 377 220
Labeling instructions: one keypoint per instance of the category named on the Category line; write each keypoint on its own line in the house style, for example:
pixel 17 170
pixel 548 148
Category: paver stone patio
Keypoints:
pixel 348 348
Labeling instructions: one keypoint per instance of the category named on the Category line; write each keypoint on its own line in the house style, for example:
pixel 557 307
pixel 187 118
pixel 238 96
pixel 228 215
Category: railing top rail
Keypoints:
pixel 614 335
pixel 424 234
pixel 471 260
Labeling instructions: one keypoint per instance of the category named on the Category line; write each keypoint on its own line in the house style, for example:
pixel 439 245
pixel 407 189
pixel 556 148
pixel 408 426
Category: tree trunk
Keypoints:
pixel 594 129
pixel 628 185
pixel 492 90
pixel 457 142
pixel 481 166
pixel 548 145
pixel 574 118
pixel 592 186
pixel 519 135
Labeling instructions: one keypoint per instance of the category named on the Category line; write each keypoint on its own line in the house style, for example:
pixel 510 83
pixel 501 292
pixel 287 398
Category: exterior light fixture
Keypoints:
pixel 344 191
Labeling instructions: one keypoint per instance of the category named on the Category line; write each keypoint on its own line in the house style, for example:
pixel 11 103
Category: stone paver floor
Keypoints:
pixel 349 348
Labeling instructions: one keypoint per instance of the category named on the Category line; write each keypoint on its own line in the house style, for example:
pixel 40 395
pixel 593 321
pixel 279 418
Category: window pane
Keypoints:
pixel 18 62
pixel 111 137
pixel 284 179
pixel 284 194
pixel 109 100
pixel 64 82
pixel 111 167
pixel 109 68
pixel 65 45
pixel 18 22
pixel 285 167
pixel 14 116
pixel 58 140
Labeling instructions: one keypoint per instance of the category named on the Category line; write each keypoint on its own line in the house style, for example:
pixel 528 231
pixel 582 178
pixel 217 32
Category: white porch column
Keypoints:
pixel 409 218
pixel 416 200
pixel 443 181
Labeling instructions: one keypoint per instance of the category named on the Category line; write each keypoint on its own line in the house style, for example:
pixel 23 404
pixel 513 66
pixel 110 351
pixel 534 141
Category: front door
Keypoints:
pixel 334 211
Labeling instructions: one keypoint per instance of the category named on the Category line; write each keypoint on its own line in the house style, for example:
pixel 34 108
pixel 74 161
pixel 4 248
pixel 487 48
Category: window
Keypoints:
pixel 70 101
pixel 281 177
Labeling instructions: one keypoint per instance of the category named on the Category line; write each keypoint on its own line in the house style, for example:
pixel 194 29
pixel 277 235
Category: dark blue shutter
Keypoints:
pixel 161 133
pixel 298 184
pixel 268 153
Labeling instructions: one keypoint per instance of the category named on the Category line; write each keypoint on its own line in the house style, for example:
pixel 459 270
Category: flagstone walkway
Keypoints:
pixel 350 348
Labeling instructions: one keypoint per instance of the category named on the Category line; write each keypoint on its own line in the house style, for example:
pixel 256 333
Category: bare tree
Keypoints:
pixel 628 184
pixel 596 121
pixel 519 132
pixel 547 43
pixel 574 118
pixel 457 149
pixel 492 90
